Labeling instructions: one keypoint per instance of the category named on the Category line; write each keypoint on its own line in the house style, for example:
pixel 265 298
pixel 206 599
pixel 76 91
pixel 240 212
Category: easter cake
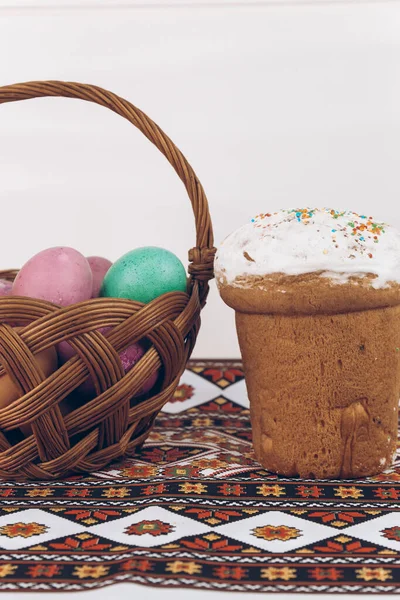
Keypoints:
pixel 317 300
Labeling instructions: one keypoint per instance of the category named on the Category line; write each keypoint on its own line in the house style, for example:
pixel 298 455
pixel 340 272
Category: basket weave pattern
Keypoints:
pixel 110 425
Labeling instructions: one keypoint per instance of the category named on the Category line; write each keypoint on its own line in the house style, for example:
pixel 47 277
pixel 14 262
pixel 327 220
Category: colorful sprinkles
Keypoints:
pixel 346 223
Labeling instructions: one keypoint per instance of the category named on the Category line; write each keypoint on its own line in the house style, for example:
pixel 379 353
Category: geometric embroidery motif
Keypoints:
pixel 25 530
pixel 183 392
pixel 154 528
pixel 392 533
pixel 273 532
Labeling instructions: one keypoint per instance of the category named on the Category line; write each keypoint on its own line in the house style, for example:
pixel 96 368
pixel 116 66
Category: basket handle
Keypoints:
pixel 201 256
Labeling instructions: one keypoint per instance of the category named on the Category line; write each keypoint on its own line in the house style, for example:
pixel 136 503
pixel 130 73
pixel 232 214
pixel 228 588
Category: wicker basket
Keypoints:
pixel 110 425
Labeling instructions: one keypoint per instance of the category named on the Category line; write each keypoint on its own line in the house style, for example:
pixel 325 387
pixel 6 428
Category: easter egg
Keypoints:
pixel 129 357
pixel 5 287
pixel 65 351
pixel 46 361
pixel 60 275
pixel 144 274
pixel 99 267
pixel 6 290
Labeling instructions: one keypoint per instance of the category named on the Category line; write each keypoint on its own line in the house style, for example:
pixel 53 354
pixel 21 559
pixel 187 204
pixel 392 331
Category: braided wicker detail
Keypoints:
pixel 67 435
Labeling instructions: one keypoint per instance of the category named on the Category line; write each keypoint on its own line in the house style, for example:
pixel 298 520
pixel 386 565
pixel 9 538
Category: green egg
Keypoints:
pixel 144 274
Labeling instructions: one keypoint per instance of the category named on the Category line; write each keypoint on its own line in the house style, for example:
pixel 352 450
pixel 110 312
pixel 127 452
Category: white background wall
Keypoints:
pixel 274 103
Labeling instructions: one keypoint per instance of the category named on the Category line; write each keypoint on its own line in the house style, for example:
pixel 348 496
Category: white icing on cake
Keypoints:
pixel 297 241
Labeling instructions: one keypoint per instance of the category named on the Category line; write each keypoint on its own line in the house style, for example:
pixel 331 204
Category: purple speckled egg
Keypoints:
pixel 60 275
pixel 65 351
pixel 129 357
pixel 99 266
pixel 5 287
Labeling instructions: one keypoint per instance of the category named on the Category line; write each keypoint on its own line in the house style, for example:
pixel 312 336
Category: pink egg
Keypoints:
pixel 5 287
pixel 60 275
pixel 129 357
pixel 99 266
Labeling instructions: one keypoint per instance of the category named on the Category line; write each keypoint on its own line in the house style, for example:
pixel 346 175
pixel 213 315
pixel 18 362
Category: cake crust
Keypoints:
pixel 323 391
pixel 307 294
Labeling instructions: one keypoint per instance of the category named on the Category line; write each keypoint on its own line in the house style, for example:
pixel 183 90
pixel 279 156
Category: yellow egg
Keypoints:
pixel 9 392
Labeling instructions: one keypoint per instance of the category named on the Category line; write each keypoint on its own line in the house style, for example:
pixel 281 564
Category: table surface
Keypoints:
pixel 194 514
